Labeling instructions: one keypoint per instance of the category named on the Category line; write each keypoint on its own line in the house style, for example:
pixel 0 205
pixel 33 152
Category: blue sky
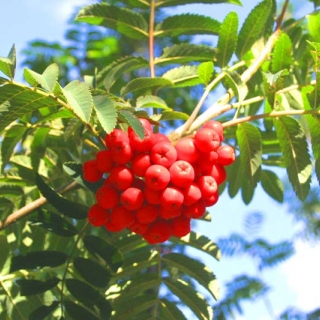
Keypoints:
pixel 295 282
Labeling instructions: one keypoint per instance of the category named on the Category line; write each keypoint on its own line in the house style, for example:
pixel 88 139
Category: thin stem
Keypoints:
pixel 281 16
pixel 80 234
pixel 151 39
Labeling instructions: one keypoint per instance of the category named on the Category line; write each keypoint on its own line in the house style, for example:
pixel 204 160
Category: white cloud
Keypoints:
pixel 302 275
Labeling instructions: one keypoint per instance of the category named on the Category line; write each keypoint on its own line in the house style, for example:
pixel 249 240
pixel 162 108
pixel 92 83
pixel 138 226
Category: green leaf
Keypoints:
pixel 240 89
pixel 132 121
pixel 185 53
pixel 145 84
pixel 5 252
pixel 90 297
pixel 104 250
pixel 315 53
pixel 191 298
pixel 170 3
pixel 170 115
pixel 272 185
pixel 273 78
pixel 249 140
pixel 253 27
pixel 69 208
pixel 43 311
pixel 46 80
pixel 38 259
pixel 282 54
pixel 227 39
pixel 187 24
pixel 106 112
pixel 295 153
pixel 200 242
pixel 118 68
pixel 16 101
pixel 92 272
pixel 194 269
pixel 235 178
pixel 54 223
pixel 38 146
pixel 30 287
pixel 79 98
pixel 168 310
pixel 130 242
pixel 77 312
pixel 205 72
pixel 183 76
pixel 151 102
pixel 8 65
pixel 314 25
pixel 123 20
pixel 314 125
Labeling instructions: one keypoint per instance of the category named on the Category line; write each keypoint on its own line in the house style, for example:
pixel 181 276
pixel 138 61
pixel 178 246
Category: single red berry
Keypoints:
pixel 132 198
pixel 159 137
pixel 140 163
pixel 163 153
pixel 139 228
pixel 147 213
pixel 158 232
pixel 171 198
pixel 226 155
pixel 216 126
pixel 121 152
pixel 207 186
pixel 98 216
pixel 181 173
pixel 170 214
pixel 186 150
pixel 142 145
pixel 212 200
pixel 107 197
pixel 195 211
pixel 207 140
pixel 152 196
pixel 121 217
pixel 104 161
pixel 191 194
pixel 91 173
pixel 115 136
pixel 111 227
pixel 120 177
pixel 219 173
pixel 180 226
pixel 157 177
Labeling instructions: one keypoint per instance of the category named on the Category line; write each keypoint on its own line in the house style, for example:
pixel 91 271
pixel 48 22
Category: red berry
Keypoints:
pixel 98 216
pixel 142 145
pixel 104 161
pixel 216 126
pixel 226 155
pixel 145 123
pixel 121 152
pixel 163 153
pixel 169 214
pixel 91 172
pixel 111 227
pixel 158 232
pixel 157 177
pixel 159 137
pixel 195 211
pixel 152 196
pixel 219 173
pixel 212 200
pixel 191 194
pixel 115 136
pixel 132 198
pixel 139 228
pixel 140 163
pixel 107 197
pixel 181 173
pixel 180 226
pixel 147 213
pixel 171 198
pixel 121 217
pixel 186 150
pixel 207 140
pixel 207 186
pixel 120 177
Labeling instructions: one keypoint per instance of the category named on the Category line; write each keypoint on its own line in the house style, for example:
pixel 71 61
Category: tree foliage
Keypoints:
pixel 53 263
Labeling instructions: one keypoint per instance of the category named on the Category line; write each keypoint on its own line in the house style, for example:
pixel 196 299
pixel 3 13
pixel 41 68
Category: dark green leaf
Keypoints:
pixel 187 24
pixel 90 297
pixel 54 223
pixel 30 287
pixel 249 140
pixel 168 310
pixel 235 178
pixel 272 185
pixel 38 259
pixel 42 312
pixel 106 112
pixel 65 206
pixel 79 99
pixel 170 3
pixel 104 250
pixel 132 121
pixel 125 21
pixel 282 54
pixel 227 39
pixel 76 312
pixel 194 269
pixel 145 84
pixel 190 297
pixel 253 27
pixel 295 153
pixel 92 272
pixel 183 76
pixel 130 242
pixel 185 53
pixel 8 65
pixel 5 251
pixel 38 146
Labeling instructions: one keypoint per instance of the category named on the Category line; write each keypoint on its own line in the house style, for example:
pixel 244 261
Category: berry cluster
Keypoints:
pixel 154 188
